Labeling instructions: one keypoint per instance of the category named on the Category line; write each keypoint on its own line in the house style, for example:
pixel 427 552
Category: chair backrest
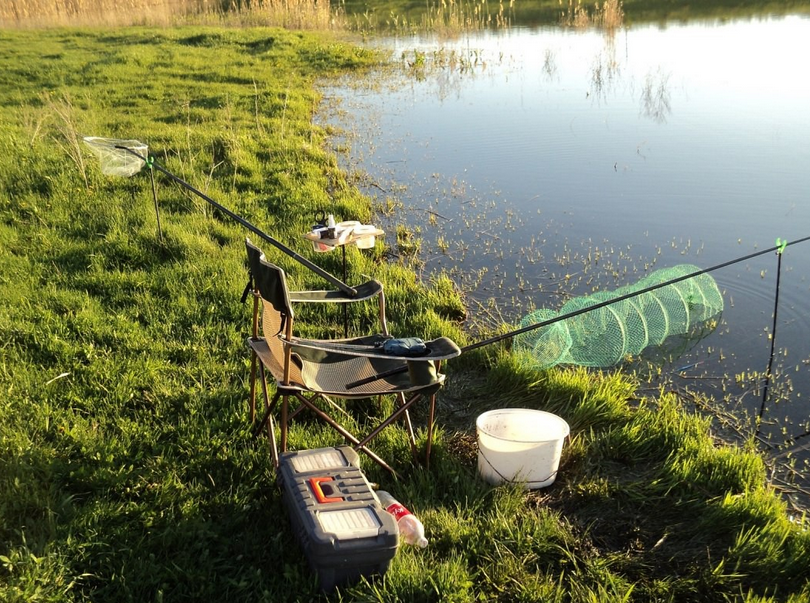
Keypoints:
pixel 269 280
pixel 277 313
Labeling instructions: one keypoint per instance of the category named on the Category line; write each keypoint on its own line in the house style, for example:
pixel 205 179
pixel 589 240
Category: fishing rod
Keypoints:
pixel 105 150
pixel 474 346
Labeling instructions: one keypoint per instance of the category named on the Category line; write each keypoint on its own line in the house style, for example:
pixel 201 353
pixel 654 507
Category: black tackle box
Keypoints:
pixel 342 529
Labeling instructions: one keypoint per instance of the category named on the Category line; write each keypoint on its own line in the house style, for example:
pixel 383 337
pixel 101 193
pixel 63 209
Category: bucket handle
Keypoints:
pixel 506 479
pixel 509 481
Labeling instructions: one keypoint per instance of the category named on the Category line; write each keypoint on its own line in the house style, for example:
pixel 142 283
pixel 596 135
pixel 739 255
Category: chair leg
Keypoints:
pixel 301 408
pixel 271 434
pixel 393 417
pixel 332 403
pixel 267 418
pixel 268 406
pixel 431 415
pixel 285 406
pixel 408 425
pixel 359 445
pixel 253 357
pixel 253 361
pixel 268 409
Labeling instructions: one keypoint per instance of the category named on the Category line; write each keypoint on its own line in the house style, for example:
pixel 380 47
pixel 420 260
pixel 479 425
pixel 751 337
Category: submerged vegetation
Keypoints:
pixel 127 468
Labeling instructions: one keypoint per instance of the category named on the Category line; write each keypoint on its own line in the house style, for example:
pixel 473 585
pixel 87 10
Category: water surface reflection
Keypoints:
pixel 554 162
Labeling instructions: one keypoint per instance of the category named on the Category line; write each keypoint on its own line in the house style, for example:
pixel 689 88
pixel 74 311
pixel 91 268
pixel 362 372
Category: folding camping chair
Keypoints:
pixel 313 371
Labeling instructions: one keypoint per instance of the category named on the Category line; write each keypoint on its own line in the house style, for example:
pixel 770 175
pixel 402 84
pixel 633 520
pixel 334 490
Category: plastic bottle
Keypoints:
pixel 330 227
pixel 410 528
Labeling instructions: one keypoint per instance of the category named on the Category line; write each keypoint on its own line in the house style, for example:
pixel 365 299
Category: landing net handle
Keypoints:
pixel 264 236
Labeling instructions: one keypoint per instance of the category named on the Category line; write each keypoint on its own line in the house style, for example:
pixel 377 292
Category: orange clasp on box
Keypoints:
pixel 323 491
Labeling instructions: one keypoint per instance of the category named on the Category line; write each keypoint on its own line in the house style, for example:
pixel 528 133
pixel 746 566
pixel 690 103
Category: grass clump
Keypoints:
pixel 127 469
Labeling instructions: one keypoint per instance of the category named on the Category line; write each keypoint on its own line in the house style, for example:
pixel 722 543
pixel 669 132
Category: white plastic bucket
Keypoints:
pixel 365 234
pixel 520 445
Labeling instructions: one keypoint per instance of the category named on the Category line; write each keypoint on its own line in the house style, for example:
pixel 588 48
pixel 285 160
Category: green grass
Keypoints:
pixel 127 469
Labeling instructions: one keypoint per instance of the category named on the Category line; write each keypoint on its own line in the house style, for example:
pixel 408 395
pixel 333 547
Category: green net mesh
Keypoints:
pixel 606 335
pixel 546 346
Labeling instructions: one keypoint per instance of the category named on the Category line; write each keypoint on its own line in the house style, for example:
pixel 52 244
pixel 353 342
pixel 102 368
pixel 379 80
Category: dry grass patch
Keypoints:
pixel 291 14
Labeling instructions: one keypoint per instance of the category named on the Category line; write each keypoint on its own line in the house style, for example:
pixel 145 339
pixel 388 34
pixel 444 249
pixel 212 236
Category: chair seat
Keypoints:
pixel 331 377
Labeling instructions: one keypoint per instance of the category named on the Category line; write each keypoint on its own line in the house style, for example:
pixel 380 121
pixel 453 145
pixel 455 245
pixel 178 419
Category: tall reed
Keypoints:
pixel 45 13
pixel 608 16
pixel 454 15
pixel 292 14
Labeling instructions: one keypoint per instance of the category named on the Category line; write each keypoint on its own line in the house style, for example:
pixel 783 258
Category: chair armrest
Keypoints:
pixel 365 291
pixel 441 348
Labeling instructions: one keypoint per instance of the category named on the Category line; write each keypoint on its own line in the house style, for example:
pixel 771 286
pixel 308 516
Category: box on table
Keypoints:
pixel 342 529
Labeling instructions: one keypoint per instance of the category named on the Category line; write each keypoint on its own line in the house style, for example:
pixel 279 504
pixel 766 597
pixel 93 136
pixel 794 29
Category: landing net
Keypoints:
pixel 114 157
pixel 608 334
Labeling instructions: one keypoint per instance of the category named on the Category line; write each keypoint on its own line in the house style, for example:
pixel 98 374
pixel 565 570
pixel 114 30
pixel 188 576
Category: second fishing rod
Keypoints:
pixel 590 308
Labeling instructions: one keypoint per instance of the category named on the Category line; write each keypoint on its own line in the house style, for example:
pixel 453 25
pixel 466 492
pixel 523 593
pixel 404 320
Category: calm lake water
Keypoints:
pixel 540 164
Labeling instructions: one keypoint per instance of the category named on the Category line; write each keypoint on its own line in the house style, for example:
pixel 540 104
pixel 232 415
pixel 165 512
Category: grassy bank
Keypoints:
pixel 127 470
